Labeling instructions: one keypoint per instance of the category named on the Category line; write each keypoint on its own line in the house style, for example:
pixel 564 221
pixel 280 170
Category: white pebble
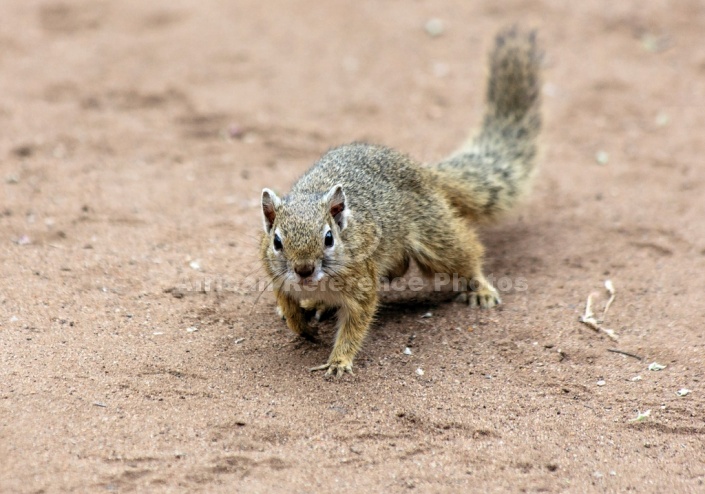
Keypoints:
pixel 602 157
pixel 434 27
pixel 641 416
pixel 662 119
pixel 407 351
pixel 192 329
pixel 601 383
pixel 419 372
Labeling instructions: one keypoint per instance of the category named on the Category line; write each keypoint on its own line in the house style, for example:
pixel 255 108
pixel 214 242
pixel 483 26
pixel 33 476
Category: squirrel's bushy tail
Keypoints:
pixel 490 172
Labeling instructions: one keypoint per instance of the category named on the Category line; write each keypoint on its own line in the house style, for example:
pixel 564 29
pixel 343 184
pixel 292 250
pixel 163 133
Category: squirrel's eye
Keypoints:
pixel 277 242
pixel 329 239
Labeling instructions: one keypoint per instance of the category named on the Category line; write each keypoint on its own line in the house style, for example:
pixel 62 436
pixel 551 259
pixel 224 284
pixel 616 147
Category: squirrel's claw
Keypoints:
pixel 334 370
pixel 484 299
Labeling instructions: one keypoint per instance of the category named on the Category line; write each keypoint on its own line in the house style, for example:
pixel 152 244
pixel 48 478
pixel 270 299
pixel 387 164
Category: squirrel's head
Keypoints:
pixel 303 236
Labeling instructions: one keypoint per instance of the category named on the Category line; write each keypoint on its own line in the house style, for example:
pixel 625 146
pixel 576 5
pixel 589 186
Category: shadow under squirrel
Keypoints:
pixel 362 212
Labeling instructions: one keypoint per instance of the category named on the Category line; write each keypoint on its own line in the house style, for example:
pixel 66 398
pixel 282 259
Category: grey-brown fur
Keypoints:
pixel 363 211
pixel 491 172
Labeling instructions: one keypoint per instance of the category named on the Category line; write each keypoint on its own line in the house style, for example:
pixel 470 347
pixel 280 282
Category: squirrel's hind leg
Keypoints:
pixel 457 252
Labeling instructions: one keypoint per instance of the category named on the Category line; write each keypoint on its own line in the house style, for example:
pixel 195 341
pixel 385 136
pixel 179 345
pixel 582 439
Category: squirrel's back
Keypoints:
pixel 484 178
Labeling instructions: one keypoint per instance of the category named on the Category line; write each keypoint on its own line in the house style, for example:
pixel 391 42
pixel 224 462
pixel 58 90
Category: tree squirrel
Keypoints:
pixel 362 212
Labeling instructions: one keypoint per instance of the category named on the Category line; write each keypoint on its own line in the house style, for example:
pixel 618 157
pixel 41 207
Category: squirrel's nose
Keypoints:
pixel 305 270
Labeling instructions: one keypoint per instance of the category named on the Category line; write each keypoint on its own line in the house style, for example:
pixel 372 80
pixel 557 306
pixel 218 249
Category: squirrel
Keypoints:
pixel 363 212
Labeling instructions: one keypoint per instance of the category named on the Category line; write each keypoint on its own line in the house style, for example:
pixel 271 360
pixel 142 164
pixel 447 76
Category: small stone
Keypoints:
pixel 195 265
pixel 602 157
pixel 420 372
pixel 655 366
pixel 600 383
pixel 662 119
pixel 23 240
pixel 407 351
pixel 654 43
pixel 192 329
pixel 434 27
pixel 641 416
pixel 427 315
pixel 683 392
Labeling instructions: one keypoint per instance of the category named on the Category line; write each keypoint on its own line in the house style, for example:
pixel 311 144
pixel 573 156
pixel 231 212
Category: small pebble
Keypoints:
pixel 434 27
pixel 23 240
pixel 654 43
pixel 407 351
pixel 419 372
pixel 655 366
pixel 600 383
pixel 195 265
pixel 192 329
pixel 602 157
pixel 641 416
pixel 682 392
pixel 427 315
pixel 662 119
pixel 635 378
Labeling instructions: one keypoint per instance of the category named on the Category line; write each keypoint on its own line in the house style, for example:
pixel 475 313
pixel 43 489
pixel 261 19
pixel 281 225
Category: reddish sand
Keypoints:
pixel 136 138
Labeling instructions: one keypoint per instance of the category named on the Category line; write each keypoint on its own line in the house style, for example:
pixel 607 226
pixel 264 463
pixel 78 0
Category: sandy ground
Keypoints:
pixel 136 138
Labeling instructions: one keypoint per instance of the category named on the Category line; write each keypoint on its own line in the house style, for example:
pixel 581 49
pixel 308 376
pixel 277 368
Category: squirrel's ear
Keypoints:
pixel 337 205
pixel 270 204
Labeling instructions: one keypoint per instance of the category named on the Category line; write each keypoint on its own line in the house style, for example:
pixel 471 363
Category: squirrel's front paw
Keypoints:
pixel 485 298
pixel 336 368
